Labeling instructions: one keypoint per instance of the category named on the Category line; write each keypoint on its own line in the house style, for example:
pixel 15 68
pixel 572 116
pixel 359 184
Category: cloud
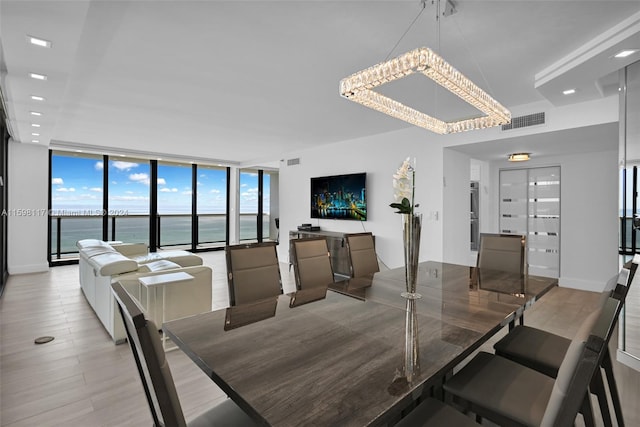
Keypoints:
pixel 187 192
pixel 124 166
pixel 215 191
pixel 161 181
pixel 99 166
pixel 129 192
pixel 57 181
pixel 66 190
pixel 96 189
pixel 244 185
pixel 169 190
pixel 129 198
pixel 140 177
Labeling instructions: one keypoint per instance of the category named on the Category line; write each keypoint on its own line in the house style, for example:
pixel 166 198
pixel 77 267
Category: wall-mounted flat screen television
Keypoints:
pixel 339 197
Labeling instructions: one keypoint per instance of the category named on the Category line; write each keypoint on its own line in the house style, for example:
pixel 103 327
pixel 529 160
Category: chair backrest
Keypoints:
pixel 311 262
pixel 504 252
pixel 362 254
pixel 149 355
pixel 581 362
pixel 253 272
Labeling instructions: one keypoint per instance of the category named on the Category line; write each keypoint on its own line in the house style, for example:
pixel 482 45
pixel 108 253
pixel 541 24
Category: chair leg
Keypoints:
pixel 613 389
pixel 522 319
pixel 597 387
pixel 587 411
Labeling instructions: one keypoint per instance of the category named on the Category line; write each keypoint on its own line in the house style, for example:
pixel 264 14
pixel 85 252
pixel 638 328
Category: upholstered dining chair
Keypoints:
pixel 544 351
pixel 511 394
pixel 362 254
pixel 504 252
pixel 156 377
pixel 311 262
pixel 253 272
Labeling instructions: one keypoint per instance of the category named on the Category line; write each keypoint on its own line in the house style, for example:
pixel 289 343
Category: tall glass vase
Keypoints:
pixel 411 227
pixel 411 364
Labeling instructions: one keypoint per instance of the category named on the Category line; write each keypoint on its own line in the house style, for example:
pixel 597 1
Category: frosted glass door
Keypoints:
pixel 530 206
pixel 543 239
pixel 513 202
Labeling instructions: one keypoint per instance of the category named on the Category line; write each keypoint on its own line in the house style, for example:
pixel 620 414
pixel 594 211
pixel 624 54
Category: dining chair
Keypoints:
pixel 156 377
pixel 253 272
pixel 311 262
pixel 544 351
pixel 504 252
pixel 511 394
pixel 362 254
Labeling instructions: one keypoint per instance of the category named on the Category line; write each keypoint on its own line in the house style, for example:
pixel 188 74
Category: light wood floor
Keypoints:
pixel 83 379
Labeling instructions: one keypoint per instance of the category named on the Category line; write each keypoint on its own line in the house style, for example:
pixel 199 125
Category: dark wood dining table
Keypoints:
pixel 340 357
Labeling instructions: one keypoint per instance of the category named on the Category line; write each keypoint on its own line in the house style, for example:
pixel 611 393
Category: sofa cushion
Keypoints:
pixel 182 258
pixel 111 263
pixel 160 265
pixel 92 251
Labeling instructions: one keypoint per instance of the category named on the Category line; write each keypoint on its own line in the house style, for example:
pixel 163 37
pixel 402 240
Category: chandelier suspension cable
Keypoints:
pixel 407 30
pixel 473 57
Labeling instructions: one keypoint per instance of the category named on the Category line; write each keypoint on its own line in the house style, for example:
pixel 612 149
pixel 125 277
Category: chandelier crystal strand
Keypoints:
pixel 358 87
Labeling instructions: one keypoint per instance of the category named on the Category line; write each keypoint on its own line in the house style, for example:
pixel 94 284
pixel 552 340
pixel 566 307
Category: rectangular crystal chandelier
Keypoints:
pixel 359 88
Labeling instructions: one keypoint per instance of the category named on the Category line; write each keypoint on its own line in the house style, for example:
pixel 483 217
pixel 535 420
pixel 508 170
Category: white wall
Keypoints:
pixel 28 179
pixel 456 208
pixel 379 156
pixel 588 215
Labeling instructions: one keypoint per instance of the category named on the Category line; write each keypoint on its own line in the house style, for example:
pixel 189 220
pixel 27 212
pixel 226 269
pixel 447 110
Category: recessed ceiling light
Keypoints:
pixel 37 76
pixel 78 151
pixel 519 157
pixel 625 53
pixel 569 92
pixel 36 113
pixel 37 98
pixel 35 134
pixel 38 41
pixel 35 141
pixel 35 125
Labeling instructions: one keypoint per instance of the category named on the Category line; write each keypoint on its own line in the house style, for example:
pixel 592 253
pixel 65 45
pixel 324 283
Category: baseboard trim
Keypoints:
pixel 629 360
pixel 27 269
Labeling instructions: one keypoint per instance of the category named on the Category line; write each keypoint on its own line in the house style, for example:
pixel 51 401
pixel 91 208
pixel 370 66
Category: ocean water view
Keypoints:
pixel 174 230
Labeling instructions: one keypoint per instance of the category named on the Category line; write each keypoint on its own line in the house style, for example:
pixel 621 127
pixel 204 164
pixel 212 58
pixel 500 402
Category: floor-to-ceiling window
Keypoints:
pixel 629 209
pixel 4 151
pixel 128 199
pixel 174 204
pixel 158 203
pixel 212 198
pixel 76 201
pixel 249 197
pixel 255 205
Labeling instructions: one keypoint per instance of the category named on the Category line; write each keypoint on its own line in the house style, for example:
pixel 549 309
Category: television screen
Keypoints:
pixel 339 197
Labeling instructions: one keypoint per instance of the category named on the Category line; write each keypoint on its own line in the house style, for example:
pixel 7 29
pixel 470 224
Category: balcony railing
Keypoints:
pixel 171 229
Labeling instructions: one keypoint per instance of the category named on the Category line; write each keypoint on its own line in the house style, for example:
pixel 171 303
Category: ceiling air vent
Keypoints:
pixel 524 121
pixel 293 162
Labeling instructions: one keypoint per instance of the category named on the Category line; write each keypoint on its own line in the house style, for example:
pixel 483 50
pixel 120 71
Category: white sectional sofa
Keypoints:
pixel 102 263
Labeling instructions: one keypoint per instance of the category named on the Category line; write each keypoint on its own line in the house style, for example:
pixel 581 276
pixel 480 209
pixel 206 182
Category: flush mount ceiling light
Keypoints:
pixel 569 92
pixel 39 42
pixel 37 76
pixel 37 98
pixel 359 88
pixel 625 53
pixel 519 157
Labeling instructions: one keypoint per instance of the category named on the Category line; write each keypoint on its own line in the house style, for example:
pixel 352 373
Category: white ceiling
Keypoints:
pixel 247 82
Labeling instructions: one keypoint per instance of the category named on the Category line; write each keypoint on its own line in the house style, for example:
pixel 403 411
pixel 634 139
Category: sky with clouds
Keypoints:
pixel 77 185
